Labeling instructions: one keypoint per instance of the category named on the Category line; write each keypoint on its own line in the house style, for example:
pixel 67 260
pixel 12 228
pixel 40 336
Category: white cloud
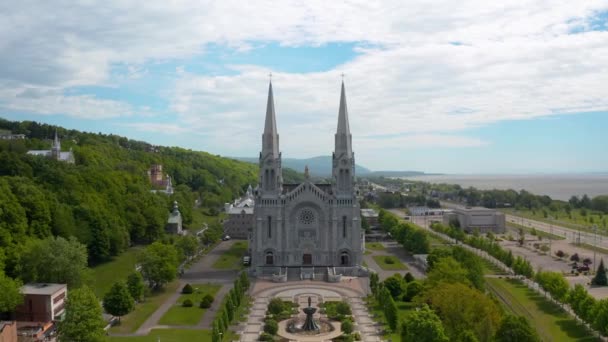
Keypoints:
pixel 426 70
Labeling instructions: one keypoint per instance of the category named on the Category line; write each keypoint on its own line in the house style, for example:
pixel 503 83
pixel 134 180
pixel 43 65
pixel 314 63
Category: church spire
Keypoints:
pixel 271 178
pixel 343 136
pixel 270 138
pixel 343 171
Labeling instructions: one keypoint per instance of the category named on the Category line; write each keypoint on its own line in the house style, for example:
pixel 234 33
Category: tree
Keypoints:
pixel 135 283
pixel 373 282
pixel 10 294
pixel 408 277
pixel 462 308
pixel 54 260
pixel 391 313
pixel 83 321
pixel 413 289
pixel 395 285
pixel 554 283
pixel 423 325
pixel 600 276
pixel 118 301
pixel 187 245
pixel 515 329
pixel 447 270
pixel 245 283
pixel 575 257
pixel 158 264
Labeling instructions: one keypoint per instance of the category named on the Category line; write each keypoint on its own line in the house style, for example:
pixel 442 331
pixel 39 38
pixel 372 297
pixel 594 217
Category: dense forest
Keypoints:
pixel 104 199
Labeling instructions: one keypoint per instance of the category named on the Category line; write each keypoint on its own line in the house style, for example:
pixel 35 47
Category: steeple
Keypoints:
pixel 343 136
pixel 270 138
pixel 343 171
pixel 271 178
pixel 56 148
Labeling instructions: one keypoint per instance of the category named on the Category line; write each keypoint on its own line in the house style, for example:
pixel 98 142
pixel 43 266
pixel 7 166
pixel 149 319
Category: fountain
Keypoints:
pixel 308 326
pixel 309 323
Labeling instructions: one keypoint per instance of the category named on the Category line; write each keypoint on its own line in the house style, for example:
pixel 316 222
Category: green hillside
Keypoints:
pixel 104 200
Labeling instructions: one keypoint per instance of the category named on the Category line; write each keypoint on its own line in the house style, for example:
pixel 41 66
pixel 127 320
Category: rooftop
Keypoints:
pixel 42 288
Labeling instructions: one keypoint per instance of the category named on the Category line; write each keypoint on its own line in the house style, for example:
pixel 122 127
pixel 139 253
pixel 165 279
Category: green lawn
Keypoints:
pixel 394 263
pixel 172 335
pixel 574 221
pixel 376 246
pixel 490 268
pixel 550 321
pixel 106 274
pixel 591 247
pixel 535 232
pixel 136 318
pixel 179 315
pixel 231 259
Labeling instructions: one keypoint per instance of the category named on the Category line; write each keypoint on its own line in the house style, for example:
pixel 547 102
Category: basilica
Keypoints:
pixel 307 224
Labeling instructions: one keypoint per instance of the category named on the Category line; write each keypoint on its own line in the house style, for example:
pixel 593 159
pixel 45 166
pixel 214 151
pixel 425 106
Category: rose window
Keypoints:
pixel 307 217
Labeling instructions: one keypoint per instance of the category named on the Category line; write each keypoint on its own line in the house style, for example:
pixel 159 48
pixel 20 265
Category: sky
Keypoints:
pixel 437 86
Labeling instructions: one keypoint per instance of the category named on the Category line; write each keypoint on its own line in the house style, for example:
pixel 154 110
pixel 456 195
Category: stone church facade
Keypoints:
pixel 307 224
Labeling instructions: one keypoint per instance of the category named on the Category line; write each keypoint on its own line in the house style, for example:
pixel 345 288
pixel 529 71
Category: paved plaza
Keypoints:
pixel 351 290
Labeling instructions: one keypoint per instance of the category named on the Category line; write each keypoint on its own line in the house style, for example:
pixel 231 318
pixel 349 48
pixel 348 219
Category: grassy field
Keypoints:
pixel 574 221
pixel 106 274
pixel 393 265
pixel 179 315
pixel 136 318
pixel 231 259
pixel 172 335
pixel 591 247
pixel 537 232
pixel 376 246
pixel 550 321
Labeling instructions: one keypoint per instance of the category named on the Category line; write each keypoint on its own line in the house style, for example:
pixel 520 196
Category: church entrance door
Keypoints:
pixel 307 259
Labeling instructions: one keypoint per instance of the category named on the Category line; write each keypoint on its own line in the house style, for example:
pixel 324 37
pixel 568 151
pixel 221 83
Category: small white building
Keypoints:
pixel 55 152
pixel 483 220
pixel 174 223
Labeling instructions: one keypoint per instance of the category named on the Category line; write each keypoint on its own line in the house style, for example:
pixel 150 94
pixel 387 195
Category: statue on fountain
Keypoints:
pixel 310 324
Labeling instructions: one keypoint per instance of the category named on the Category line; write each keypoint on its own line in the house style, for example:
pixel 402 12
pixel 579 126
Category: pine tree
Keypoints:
pixel 600 277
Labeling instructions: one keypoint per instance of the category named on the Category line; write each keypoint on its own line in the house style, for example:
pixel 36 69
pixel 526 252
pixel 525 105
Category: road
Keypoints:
pixel 571 235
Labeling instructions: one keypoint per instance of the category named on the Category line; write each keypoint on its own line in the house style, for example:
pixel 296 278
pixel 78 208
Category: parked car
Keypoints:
pixel 226 238
pixel 246 260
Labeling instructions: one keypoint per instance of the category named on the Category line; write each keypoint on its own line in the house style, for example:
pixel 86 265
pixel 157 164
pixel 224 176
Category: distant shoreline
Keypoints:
pixel 556 186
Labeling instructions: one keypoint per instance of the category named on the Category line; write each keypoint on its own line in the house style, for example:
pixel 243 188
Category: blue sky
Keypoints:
pixel 456 88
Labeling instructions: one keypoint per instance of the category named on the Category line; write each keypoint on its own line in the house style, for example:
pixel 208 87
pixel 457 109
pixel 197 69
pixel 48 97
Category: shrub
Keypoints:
pixel 389 260
pixel 347 326
pixel 266 337
pixel 357 336
pixel 408 277
pixel 206 301
pixel 187 289
pixel 276 306
pixel 271 327
pixel 187 303
pixel 343 308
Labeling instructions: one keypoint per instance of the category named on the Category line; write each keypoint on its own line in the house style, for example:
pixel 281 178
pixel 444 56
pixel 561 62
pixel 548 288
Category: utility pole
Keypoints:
pixel 594 244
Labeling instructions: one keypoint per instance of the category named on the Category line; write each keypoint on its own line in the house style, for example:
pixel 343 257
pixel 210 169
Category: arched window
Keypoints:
pixel 270 227
pixel 344 226
pixel 269 258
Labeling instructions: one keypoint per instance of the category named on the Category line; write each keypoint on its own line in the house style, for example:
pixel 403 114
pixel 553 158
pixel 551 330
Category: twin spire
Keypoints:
pixel 270 138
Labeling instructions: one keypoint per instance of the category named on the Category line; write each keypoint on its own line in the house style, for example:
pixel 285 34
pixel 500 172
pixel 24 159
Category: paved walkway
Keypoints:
pixel 395 249
pixel 200 272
